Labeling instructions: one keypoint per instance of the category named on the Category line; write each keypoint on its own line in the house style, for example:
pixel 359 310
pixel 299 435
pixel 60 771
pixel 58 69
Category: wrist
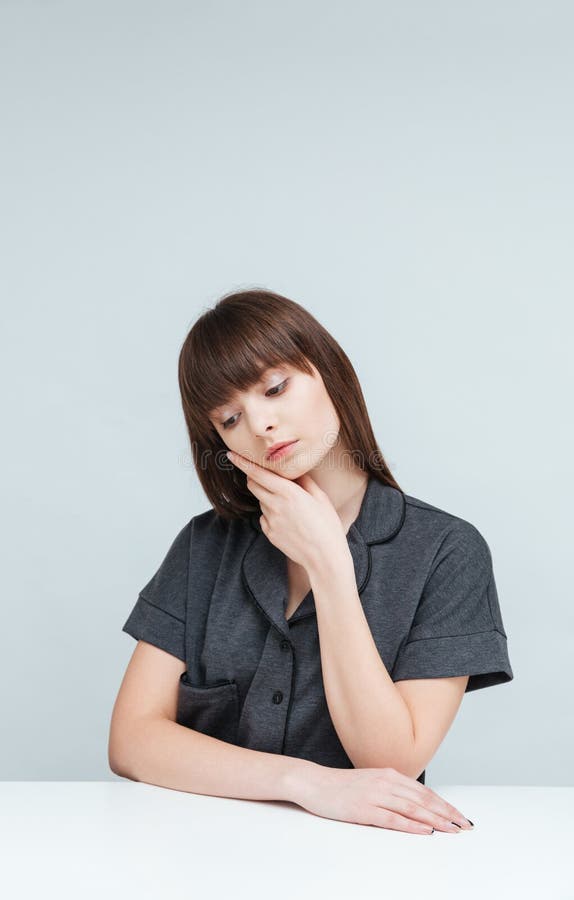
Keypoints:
pixel 338 564
pixel 300 779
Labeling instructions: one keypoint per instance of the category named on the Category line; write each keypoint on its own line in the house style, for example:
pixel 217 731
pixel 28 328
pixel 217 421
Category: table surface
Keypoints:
pixel 131 839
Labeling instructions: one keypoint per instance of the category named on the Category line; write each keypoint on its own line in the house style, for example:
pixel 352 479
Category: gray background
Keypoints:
pixel 404 171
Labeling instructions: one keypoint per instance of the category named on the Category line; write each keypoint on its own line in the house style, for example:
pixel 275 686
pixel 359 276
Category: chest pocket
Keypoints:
pixel 212 709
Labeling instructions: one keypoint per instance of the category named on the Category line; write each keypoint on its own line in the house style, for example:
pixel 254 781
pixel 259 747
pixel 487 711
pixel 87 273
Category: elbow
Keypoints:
pixel 114 761
pixel 413 767
pixel 119 769
pixel 117 760
pixel 409 763
pixel 115 764
pixel 413 772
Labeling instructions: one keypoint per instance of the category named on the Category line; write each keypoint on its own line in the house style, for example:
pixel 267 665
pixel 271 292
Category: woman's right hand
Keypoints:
pixel 382 797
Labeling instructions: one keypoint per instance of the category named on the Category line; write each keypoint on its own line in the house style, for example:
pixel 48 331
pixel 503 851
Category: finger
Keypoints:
pixel 429 798
pixel 265 477
pixel 412 809
pixel 262 494
pixel 432 802
pixel 426 795
pixel 384 818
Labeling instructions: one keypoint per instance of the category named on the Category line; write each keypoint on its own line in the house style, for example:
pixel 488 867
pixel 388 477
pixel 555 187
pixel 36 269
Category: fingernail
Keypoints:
pixel 432 832
pixel 472 823
pixel 456 823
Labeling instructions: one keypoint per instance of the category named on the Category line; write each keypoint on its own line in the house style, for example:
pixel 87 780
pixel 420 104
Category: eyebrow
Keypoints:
pixel 218 410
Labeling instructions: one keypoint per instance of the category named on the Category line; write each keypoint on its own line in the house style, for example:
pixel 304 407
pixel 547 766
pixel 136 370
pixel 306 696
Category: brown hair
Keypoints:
pixel 227 350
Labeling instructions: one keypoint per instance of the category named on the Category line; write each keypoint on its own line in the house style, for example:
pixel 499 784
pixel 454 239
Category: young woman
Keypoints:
pixel 310 636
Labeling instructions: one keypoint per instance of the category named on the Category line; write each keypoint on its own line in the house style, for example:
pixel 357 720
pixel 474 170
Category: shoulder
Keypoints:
pixel 210 529
pixel 444 529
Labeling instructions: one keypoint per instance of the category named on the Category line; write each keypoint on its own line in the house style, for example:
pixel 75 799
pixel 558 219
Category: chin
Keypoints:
pixel 291 475
pixel 292 472
pixel 285 470
pixel 301 463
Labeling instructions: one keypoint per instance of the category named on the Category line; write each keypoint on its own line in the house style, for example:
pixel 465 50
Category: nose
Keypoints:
pixel 262 423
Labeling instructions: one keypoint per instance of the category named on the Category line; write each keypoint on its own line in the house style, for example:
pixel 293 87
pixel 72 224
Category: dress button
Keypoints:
pixel 285 645
pixel 277 697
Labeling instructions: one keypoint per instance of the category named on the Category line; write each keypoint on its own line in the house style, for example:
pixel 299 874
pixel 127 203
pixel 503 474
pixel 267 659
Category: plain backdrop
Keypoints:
pixel 403 170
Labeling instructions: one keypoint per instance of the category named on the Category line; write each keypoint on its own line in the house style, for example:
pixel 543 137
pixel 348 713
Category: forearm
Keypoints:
pixel 373 722
pixel 162 752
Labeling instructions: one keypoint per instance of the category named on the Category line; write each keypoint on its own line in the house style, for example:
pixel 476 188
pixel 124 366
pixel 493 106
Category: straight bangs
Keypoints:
pixel 226 357
pixel 227 350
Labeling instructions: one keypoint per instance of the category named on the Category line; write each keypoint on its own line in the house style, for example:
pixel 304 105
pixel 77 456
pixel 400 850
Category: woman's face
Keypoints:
pixel 286 405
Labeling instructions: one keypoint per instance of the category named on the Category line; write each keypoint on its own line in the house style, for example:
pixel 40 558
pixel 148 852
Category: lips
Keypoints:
pixel 276 451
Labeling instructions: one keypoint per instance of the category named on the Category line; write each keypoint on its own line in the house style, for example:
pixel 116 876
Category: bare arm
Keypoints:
pixel 372 719
pixel 147 744
pixel 162 752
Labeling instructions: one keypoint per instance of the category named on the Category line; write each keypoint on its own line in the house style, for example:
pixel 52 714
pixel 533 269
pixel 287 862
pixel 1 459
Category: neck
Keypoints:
pixel 345 489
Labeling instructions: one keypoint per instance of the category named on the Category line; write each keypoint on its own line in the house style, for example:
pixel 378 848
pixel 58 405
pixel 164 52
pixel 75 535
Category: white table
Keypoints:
pixel 129 839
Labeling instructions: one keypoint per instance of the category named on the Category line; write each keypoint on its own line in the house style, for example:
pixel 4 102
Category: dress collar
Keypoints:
pixel 264 566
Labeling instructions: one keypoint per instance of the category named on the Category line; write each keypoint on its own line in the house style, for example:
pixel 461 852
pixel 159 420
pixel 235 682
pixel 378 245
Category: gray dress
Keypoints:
pixel 218 600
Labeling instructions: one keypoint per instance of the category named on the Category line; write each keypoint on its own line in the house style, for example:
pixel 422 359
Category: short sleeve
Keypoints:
pixel 159 614
pixel 457 628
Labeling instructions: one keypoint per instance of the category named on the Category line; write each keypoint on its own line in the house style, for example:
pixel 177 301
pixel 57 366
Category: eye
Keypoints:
pixel 283 383
pixel 229 423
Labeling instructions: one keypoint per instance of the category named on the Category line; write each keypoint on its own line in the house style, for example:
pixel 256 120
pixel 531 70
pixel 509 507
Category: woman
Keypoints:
pixel 317 615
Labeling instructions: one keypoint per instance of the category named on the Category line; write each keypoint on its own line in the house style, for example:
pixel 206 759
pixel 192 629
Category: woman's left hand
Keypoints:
pixel 297 516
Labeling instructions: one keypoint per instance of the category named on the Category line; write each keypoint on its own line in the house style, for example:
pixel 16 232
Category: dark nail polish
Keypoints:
pixel 456 823
pixel 472 823
pixel 432 832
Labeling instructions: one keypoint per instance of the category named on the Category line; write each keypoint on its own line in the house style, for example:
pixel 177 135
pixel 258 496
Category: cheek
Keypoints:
pixel 323 410
pixel 243 445
pixel 321 416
